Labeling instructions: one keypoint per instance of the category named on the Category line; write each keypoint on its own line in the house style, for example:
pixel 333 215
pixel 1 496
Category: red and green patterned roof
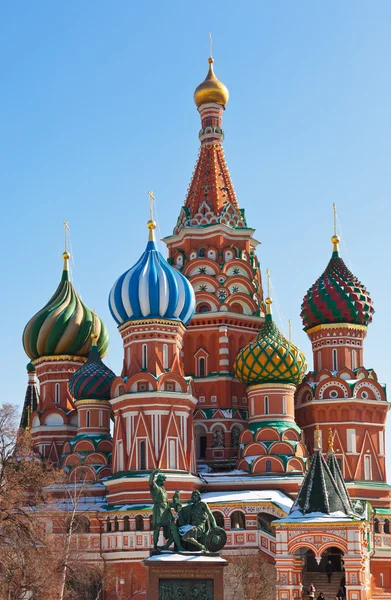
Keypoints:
pixel 270 358
pixel 336 297
pixel 93 380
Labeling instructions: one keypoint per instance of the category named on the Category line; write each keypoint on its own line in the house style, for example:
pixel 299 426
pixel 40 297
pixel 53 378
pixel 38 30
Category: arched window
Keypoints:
pixel 165 356
pixel 202 252
pixel 335 359
pixel 236 308
pixel 80 524
pixel 319 361
pixel 237 520
pixel 116 524
pixel 203 308
pixel 354 360
pixel 367 467
pixel 268 466
pixel 219 518
pixel 144 357
pixel 386 526
pixel 88 418
pixel 139 523
pixel 264 522
pixel 151 526
pixel 108 525
pixel 126 523
pixel 142 456
pixel 201 367
pixel 266 405
pixel 376 526
pixel 284 405
pixel 172 454
pixel 57 393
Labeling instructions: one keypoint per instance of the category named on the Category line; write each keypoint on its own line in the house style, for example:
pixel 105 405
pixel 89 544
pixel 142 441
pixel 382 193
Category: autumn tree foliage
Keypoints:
pixel 250 577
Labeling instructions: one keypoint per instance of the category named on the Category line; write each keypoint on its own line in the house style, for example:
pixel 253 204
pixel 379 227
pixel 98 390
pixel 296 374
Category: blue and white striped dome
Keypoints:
pixel 152 289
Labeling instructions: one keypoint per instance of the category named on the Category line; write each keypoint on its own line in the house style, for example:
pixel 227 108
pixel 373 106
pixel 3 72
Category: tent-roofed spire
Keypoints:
pixel 319 492
pixel 31 398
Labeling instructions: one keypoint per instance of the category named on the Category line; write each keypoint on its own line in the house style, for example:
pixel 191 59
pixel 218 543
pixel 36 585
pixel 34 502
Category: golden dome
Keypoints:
pixel 211 89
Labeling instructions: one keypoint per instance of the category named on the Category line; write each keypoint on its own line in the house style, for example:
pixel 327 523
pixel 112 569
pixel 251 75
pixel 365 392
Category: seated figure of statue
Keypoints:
pixel 193 521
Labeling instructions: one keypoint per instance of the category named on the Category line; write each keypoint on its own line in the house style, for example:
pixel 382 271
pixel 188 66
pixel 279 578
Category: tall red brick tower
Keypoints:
pixel 215 249
pixel 340 393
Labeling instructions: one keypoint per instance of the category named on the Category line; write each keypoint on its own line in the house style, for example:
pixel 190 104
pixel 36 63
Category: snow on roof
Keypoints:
pixel 170 557
pixel 283 501
pixel 316 517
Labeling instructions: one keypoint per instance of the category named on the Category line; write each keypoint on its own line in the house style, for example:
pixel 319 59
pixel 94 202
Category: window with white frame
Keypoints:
pixel 144 357
pixel 142 455
pixel 381 443
pixel 319 361
pixel 165 356
pixel 57 393
pixel 213 398
pixel 201 366
pixel 101 418
pixel 266 405
pixel 354 360
pixel 284 405
pixel 172 462
pixel 120 456
pixel 351 441
pixel 88 418
pixel 335 359
pixel 367 467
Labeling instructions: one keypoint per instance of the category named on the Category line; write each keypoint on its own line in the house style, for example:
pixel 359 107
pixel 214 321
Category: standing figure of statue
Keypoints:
pixel 162 516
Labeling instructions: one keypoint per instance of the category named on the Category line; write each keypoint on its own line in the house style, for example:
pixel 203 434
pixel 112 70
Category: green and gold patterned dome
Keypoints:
pixel 64 325
pixel 270 358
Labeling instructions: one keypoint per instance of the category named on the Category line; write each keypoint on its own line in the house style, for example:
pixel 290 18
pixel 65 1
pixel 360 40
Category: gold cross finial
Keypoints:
pixel 331 441
pixel 335 238
pixel 317 438
pixel 151 223
pixel 94 335
pixel 268 300
pixel 66 256
pixel 210 45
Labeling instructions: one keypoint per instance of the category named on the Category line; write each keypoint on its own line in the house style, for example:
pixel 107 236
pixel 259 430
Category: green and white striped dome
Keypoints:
pixel 64 325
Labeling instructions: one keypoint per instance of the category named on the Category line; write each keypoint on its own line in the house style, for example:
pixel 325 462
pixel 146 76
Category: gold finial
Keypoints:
pixel 94 335
pixel 66 256
pixel 335 239
pixel 151 223
pixel 268 300
pixel 331 440
pixel 317 438
pixel 210 45
pixel 290 330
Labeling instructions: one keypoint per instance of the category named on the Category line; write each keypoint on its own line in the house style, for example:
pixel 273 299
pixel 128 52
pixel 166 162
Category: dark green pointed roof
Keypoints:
pixel 335 470
pixel 319 492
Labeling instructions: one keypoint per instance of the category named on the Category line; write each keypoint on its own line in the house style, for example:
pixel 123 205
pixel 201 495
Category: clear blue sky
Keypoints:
pixel 96 108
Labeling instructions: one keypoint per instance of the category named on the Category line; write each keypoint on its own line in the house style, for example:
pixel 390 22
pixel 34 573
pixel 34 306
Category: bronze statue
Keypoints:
pixel 195 525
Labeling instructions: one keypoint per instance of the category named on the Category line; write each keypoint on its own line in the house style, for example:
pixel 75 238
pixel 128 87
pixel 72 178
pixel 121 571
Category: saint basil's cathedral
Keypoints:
pixel 291 462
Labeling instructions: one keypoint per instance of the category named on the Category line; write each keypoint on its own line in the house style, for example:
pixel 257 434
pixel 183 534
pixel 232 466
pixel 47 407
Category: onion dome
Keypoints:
pixel 93 380
pixel 64 325
pixel 337 296
pixel 211 89
pixel 270 358
pixel 30 367
pixel 152 289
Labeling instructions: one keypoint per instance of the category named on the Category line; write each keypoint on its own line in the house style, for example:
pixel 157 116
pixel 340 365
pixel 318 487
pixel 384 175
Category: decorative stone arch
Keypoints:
pixel 131 385
pixel 295 464
pixel 302 544
pixel 213 427
pixel 246 436
pixel 95 459
pixel 372 388
pixel 336 543
pixel 219 517
pixel 277 466
pixel 204 278
pixel 291 434
pixel 192 267
pixel 84 445
pixel 346 373
pixel 206 298
pixel 244 284
pixel 322 375
pixel 72 460
pixel 301 450
pixel 104 472
pixel 303 394
pixel 82 473
pixel 254 449
pixel 267 434
pixel 54 417
pixel 242 265
pixel 180 382
pixel 281 448
pixel 245 301
pixel 323 391
pixel 105 445
pixel 243 465
pixel 117 388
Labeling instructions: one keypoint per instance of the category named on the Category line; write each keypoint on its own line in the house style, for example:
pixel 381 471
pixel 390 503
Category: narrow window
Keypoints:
pixel 381 443
pixel 108 525
pixel 144 358
pixel 120 456
pixel 101 418
pixel 335 359
pixel 367 468
pixel 126 523
pixel 116 524
pixel 351 440
pixel 88 418
pixel 386 527
pixel 376 525
pixel 319 361
pixel 284 405
pixel 139 523
pixel 202 252
pixel 142 456
pixel 57 394
pixel 268 466
pixel 165 356
pixel 354 360
pixel 172 454
pixel 266 405
pixel 201 367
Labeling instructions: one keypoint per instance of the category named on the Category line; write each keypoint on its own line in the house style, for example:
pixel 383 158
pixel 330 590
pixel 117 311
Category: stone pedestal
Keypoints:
pixel 186 576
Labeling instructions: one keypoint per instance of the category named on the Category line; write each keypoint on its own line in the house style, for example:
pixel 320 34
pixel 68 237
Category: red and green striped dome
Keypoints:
pixel 93 380
pixel 64 325
pixel 336 297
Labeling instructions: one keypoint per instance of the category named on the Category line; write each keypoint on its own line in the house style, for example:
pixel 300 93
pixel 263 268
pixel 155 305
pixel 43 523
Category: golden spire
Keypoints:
pixel 268 300
pixel 66 256
pixel 331 440
pixel 335 239
pixel 151 223
pixel 317 438
pixel 94 335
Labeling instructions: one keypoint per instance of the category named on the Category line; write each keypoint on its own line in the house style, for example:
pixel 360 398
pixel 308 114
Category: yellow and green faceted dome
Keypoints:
pixel 270 358
pixel 64 325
